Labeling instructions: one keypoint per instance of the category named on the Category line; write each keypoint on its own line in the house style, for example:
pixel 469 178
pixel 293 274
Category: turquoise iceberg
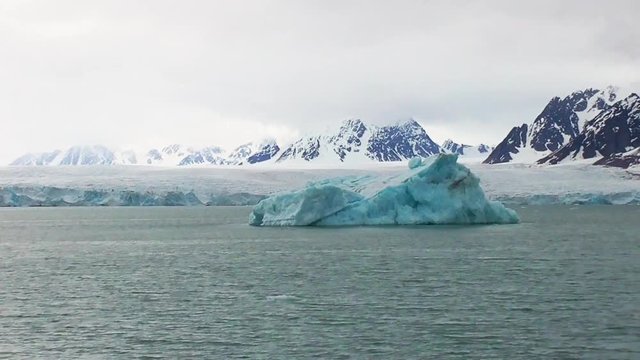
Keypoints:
pixel 435 190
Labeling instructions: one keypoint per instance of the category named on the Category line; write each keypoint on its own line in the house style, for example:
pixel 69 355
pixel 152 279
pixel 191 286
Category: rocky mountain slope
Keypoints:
pixel 559 122
pixel 612 132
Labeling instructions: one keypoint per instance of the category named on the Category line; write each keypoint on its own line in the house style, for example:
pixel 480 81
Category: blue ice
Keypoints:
pixel 434 190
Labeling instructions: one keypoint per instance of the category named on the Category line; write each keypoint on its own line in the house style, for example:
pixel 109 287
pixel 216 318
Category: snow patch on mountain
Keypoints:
pixel 597 103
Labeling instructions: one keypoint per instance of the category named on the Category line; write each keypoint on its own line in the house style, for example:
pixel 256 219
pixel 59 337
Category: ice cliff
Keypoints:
pixel 55 196
pixel 435 190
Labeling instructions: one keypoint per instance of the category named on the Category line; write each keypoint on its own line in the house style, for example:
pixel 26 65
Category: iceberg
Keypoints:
pixel 434 190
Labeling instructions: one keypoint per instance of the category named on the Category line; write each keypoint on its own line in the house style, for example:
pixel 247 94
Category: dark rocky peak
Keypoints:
pixel 349 138
pixel 579 100
pixel 483 148
pixel 452 147
pixel 402 141
pixel 352 128
pixel 411 126
pixel 557 122
pixel 266 152
pixel 306 148
pixel 515 140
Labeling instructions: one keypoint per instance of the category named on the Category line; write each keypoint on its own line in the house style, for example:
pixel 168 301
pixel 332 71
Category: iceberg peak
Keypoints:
pixel 415 162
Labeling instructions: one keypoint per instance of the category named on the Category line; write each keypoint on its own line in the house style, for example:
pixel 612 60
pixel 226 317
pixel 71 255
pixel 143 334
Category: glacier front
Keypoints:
pixel 435 190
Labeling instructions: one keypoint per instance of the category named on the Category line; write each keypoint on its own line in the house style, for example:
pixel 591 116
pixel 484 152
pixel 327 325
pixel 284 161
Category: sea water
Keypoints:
pixel 200 283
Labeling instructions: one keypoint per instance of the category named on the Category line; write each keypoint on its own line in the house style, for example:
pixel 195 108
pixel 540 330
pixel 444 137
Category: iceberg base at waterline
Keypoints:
pixel 434 190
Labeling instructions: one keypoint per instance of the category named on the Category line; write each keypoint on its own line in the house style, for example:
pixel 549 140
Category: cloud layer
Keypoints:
pixel 143 73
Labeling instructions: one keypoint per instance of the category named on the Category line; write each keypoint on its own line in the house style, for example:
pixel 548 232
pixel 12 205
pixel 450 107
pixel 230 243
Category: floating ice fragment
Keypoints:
pixel 435 190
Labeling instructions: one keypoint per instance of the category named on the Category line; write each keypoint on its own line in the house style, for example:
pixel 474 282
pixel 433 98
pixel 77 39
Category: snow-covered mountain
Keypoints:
pixel 349 142
pixel 212 155
pixel 353 142
pixel 36 159
pixel 253 152
pixel 466 152
pixel 239 154
pixel 616 130
pixel 171 155
pixel 265 152
pixel 400 142
pixel 558 123
pixel 356 141
pixel 75 155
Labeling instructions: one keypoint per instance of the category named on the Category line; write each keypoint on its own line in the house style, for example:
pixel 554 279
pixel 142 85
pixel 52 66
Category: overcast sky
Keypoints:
pixel 145 73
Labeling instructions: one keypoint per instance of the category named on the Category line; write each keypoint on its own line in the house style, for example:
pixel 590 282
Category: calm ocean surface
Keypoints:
pixel 199 283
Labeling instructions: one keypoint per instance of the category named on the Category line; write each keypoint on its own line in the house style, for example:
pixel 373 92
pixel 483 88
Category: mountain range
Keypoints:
pixel 587 124
pixel 353 142
pixel 603 125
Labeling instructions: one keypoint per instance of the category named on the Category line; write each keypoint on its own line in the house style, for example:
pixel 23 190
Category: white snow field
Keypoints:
pixel 571 183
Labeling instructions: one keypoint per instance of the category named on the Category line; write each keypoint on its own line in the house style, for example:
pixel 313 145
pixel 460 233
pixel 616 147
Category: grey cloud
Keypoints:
pixel 135 72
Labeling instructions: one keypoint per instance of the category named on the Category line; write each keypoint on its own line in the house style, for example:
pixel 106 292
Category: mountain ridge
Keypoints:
pixel 585 124
pixel 353 142
pixel 612 132
pixel 561 120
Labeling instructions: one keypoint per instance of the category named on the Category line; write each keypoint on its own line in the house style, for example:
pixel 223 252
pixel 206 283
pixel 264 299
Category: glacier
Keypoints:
pixel 48 196
pixel 573 183
pixel 434 190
